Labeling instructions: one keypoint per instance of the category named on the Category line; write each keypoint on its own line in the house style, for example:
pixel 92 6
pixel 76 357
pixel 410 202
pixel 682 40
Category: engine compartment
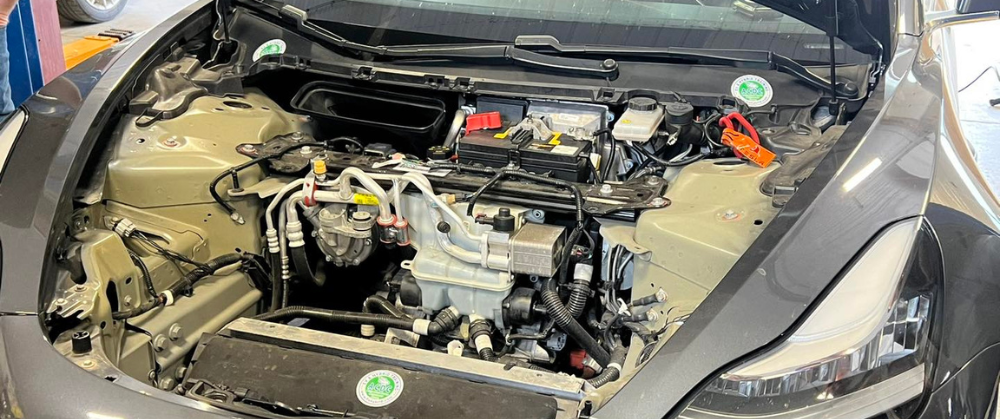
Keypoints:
pixel 243 236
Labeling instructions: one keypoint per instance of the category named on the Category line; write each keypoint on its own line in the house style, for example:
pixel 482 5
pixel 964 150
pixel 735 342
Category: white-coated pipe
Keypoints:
pixel 297 183
pixel 396 192
pixel 385 212
pixel 449 247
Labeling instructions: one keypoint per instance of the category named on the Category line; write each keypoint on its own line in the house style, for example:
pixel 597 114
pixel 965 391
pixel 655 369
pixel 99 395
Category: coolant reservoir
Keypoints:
pixel 639 122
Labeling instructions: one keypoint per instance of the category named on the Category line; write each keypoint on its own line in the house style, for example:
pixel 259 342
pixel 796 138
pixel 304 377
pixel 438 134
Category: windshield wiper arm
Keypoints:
pixel 735 58
pixel 606 69
pixel 504 51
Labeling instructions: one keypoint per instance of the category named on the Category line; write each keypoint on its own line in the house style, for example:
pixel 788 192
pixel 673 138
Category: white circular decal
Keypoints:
pixel 379 388
pixel 754 90
pixel 274 46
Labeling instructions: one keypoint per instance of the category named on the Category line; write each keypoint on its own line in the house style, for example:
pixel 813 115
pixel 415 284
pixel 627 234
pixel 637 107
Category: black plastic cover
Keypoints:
pixel 296 379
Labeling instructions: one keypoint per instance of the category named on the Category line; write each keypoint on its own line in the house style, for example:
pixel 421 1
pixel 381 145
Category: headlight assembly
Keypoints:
pixel 861 352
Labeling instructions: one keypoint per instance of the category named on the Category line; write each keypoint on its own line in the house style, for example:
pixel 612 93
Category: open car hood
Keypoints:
pixel 859 25
pixel 864 25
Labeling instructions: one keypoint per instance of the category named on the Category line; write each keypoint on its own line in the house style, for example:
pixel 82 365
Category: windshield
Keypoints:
pixel 715 24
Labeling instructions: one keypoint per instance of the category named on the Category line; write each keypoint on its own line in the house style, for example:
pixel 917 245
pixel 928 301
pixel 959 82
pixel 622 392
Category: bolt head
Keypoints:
pixel 658 202
pixel 606 189
pixel 247 147
pixel 661 295
pixel 88 364
pixel 60 301
pixel 175 331
pixel 159 343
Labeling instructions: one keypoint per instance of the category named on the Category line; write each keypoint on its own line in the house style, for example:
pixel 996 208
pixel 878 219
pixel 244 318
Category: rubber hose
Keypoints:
pixel 338 316
pixel 481 329
pixel 382 304
pixel 197 274
pixel 558 312
pixel 276 282
pixel 446 320
pixel 456 126
pixel 486 354
pixel 579 294
pixel 610 373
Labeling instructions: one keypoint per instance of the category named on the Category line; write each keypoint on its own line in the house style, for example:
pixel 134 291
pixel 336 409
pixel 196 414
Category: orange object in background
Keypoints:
pixel 77 52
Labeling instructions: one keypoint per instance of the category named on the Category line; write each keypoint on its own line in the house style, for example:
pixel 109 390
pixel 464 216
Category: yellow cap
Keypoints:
pixel 319 166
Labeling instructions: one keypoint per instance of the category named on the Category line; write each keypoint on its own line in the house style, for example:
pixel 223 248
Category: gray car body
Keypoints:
pixel 909 125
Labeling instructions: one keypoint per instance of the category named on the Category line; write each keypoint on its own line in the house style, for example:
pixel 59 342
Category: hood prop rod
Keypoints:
pixel 832 31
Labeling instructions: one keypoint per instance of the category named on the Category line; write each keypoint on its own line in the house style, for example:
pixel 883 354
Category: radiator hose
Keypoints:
pixel 446 320
pixel 377 302
pixel 558 312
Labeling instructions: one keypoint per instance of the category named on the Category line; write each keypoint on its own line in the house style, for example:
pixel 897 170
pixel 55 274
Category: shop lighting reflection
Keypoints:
pixel 862 174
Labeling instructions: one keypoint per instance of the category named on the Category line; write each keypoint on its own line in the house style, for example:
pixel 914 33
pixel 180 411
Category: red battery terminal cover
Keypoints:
pixel 478 121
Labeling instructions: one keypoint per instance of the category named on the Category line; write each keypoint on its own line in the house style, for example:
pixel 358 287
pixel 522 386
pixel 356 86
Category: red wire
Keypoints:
pixel 726 122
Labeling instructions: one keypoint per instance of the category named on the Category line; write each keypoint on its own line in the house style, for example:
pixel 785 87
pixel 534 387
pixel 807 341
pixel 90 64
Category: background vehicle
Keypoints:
pixel 90 11
pixel 574 261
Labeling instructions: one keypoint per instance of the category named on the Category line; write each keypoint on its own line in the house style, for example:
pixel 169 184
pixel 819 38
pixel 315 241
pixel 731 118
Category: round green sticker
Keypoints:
pixel 274 46
pixel 379 388
pixel 754 90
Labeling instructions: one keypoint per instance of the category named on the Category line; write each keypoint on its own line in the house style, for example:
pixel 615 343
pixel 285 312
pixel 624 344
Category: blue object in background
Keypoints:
pixel 22 45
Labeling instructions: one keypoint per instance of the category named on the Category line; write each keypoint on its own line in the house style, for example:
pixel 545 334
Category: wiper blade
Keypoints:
pixel 507 52
pixel 606 69
pixel 735 58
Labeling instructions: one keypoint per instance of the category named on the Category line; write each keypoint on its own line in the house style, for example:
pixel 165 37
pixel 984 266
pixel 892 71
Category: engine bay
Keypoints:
pixel 247 241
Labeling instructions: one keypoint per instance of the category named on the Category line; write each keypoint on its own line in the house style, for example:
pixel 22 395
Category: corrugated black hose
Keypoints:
pixel 612 371
pixel 558 312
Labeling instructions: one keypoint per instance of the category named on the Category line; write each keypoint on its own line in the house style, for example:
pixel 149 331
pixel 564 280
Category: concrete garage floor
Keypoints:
pixel 975 52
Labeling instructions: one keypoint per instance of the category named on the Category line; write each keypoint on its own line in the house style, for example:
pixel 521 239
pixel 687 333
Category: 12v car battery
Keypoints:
pixel 561 156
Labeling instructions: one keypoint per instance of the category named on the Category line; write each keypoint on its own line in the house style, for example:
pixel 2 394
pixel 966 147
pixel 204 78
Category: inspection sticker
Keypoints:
pixel 379 388
pixel 272 47
pixel 754 90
